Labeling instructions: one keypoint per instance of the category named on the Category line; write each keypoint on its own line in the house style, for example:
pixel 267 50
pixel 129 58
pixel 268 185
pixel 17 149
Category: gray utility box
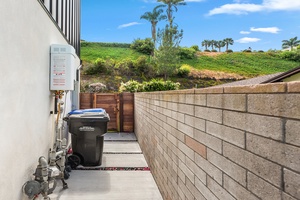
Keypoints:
pixel 87 128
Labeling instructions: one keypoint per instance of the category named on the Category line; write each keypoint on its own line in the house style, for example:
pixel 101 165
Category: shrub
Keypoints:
pixel 206 50
pixel 195 47
pixel 247 51
pixel 150 86
pixel 159 85
pixel 273 53
pixel 130 86
pixel 290 55
pixel 109 65
pixel 229 51
pixel 260 51
pixel 170 85
pixel 186 53
pixel 214 50
pixel 84 44
pixel 124 67
pixel 104 66
pixel 100 66
pixel 145 46
pixel 141 65
pixel 184 70
pixel 90 69
pixel 273 50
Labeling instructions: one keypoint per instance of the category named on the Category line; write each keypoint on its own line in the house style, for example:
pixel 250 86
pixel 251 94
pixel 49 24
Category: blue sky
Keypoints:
pixel 259 24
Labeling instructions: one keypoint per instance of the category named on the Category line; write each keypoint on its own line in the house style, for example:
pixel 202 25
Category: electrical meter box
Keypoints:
pixel 62 67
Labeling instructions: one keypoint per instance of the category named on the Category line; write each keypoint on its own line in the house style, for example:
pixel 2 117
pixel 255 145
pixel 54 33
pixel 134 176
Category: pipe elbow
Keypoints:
pixel 43 161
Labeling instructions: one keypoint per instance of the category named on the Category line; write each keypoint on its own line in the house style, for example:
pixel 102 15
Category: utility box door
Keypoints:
pixel 62 69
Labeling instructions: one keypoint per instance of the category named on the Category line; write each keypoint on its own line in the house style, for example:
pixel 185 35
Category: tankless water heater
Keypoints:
pixel 62 67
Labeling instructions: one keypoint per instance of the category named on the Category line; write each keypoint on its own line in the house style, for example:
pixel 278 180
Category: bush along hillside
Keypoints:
pixel 148 86
pixel 114 64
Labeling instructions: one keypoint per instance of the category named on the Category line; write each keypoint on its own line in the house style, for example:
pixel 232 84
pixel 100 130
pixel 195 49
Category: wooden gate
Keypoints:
pixel 126 112
pixel 120 108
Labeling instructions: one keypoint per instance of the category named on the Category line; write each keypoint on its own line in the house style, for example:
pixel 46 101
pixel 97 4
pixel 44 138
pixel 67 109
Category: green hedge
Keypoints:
pixel 186 53
pixel 145 46
pixel 290 55
pixel 150 86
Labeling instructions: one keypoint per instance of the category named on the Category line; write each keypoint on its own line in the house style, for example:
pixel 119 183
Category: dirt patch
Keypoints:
pixel 215 75
pixel 212 54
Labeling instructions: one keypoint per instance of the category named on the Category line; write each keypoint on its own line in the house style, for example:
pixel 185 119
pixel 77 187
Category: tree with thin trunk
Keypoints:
pixel 291 43
pixel 228 41
pixel 212 44
pixel 171 7
pixel 205 44
pixel 154 17
pixel 166 56
pixel 219 44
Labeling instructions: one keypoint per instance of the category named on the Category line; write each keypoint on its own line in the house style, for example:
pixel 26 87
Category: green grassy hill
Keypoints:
pixel 242 63
pixel 206 66
pixel 90 51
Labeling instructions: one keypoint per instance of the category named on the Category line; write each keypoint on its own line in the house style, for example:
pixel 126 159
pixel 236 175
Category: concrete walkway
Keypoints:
pixel 123 175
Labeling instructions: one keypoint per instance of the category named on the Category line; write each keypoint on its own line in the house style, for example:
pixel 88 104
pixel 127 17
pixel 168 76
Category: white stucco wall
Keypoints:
pixel 26 125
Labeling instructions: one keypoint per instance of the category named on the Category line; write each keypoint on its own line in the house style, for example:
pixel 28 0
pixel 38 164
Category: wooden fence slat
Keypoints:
pixel 120 108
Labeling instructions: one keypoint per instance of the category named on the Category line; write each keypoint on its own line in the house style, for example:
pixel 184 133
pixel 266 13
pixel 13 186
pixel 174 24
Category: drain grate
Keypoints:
pixel 122 153
pixel 115 168
pixel 112 140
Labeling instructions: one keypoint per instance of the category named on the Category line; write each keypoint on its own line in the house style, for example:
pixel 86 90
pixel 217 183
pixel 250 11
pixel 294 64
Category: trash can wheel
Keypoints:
pixel 74 161
pixel 66 175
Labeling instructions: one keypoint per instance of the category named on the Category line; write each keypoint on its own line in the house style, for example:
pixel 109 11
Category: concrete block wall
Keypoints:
pixel 226 143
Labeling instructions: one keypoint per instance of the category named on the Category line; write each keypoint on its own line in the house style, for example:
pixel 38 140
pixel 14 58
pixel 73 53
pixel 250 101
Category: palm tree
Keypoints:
pixel 205 43
pixel 219 44
pixel 171 6
pixel 154 17
pixel 212 44
pixel 228 41
pixel 293 42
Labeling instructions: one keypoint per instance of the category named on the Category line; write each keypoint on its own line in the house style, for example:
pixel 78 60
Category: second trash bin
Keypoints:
pixel 87 128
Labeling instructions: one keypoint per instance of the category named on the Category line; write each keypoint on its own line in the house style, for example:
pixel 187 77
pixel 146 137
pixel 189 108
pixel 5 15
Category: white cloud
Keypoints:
pixel 245 32
pixel 266 30
pixel 282 4
pixel 247 40
pixel 194 0
pixel 150 1
pixel 240 1
pixel 239 8
pixel 127 25
pixel 155 1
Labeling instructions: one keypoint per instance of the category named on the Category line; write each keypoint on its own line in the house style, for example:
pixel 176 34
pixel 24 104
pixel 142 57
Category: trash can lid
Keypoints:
pixel 91 111
pixel 98 113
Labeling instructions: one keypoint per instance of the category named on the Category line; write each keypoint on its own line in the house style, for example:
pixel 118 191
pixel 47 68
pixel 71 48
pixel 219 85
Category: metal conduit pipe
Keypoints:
pixel 43 161
pixel 46 174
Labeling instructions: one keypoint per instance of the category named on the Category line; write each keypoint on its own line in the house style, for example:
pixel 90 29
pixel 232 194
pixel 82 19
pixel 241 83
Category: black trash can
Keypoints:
pixel 87 128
